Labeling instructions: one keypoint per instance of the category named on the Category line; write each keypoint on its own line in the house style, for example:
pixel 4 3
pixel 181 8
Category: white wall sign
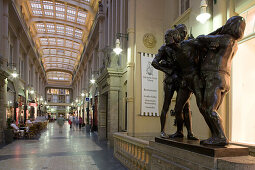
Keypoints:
pixel 149 77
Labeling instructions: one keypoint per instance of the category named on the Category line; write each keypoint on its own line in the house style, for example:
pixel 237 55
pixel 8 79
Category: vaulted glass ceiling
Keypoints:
pixel 59 29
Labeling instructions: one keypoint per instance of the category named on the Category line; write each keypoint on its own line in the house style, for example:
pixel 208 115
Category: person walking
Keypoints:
pixel 80 122
pixel 60 122
pixel 70 121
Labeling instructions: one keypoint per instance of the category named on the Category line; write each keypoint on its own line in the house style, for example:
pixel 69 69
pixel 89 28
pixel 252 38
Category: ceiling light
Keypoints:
pixel 203 16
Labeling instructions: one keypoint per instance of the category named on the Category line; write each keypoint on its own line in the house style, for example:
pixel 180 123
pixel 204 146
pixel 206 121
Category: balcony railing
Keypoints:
pixel 131 151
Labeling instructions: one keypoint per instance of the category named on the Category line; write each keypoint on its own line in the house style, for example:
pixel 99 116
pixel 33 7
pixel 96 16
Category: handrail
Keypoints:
pixel 130 151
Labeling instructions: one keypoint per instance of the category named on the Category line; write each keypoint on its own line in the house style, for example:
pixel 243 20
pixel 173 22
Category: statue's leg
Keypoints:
pixel 188 121
pixel 198 91
pixel 169 91
pixel 213 98
pixel 183 95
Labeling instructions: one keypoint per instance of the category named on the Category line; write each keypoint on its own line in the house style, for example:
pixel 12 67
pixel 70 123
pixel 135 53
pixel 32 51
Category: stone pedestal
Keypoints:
pixel 163 156
pixel 213 151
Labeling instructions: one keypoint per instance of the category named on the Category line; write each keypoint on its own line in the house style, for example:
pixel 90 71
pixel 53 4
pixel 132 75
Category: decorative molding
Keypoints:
pixel 130 64
pixel 182 18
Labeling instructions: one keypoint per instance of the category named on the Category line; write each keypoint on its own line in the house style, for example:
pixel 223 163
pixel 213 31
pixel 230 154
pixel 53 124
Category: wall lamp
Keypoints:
pixel 117 48
pixel 203 16
pixel 32 91
pixel 92 81
pixel 14 74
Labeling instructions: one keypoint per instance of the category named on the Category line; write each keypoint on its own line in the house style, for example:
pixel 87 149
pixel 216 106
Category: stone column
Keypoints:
pixel 1 27
pixel 3 104
pixel 101 40
pixel 38 82
pixel 130 68
pixel 4 25
pixel 4 54
pixel 26 77
pixel 102 101
pixel 16 54
pixel 113 114
pixel 113 22
pixel 109 23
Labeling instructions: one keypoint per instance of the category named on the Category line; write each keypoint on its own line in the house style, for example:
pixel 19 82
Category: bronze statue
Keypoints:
pixel 205 65
pixel 215 73
pixel 164 62
pixel 186 55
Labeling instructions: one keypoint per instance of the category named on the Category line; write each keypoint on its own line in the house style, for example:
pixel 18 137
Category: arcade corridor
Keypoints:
pixel 73 149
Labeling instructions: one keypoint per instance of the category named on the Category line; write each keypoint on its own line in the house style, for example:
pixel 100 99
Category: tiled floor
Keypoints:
pixel 72 149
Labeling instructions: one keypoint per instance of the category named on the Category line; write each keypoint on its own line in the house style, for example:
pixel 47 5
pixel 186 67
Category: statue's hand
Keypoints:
pixel 163 63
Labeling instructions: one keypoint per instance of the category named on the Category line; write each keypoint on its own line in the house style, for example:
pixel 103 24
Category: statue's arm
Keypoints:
pixel 209 41
pixel 160 63
pixel 216 31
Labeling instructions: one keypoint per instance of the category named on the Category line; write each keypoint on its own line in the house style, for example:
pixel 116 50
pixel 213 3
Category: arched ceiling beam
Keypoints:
pixel 55 62
pixel 61 47
pixel 60 70
pixel 82 6
pixel 59 56
pixel 57 21
pixel 58 36
pixel 58 47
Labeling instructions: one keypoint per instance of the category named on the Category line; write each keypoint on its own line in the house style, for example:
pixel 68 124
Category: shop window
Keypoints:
pixel 243 82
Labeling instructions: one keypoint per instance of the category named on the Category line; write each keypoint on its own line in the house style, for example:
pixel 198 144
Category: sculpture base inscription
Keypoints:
pixel 213 151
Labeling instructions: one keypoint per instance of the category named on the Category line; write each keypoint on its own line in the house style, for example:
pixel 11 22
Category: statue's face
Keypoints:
pixel 183 34
pixel 169 39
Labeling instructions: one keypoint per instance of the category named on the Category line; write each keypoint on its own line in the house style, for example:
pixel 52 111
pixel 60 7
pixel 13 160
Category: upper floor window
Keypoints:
pixel 183 6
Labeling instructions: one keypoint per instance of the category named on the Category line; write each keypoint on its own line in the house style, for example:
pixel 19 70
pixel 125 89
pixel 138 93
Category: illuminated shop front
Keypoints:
pixel 243 84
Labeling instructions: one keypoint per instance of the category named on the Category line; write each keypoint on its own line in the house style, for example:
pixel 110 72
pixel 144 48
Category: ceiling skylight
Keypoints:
pixel 59 29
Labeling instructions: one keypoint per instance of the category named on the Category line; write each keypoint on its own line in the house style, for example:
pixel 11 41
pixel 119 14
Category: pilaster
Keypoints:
pixel 130 68
pixel 3 103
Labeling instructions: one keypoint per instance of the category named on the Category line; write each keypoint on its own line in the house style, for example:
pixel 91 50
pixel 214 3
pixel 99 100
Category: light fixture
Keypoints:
pixel 45 102
pixel 92 81
pixel 41 99
pixel 72 104
pixel 32 91
pixel 76 100
pixel 117 49
pixel 14 74
pixel 82 94
pixel 203 16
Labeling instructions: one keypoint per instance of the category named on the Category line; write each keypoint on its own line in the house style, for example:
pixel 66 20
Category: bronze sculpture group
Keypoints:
pixel 201 66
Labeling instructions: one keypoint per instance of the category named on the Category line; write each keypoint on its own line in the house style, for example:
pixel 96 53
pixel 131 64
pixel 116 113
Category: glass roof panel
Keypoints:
pixel 59 30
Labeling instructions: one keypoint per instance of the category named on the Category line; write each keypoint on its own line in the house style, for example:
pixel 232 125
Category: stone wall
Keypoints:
pixel 135 153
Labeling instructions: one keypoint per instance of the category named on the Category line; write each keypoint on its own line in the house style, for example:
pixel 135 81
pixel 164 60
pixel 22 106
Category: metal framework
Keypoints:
pixel 59 29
